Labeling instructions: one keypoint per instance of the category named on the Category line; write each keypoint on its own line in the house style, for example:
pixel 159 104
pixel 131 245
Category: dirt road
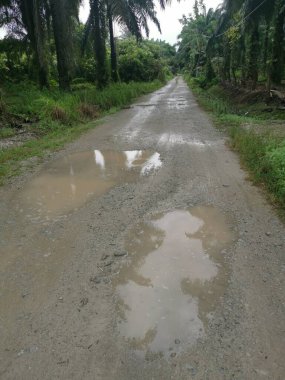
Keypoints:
pixel 142 252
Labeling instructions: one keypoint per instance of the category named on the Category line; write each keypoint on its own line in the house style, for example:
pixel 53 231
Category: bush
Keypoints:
pixel 141 62
pixel 88 110
pixel 59 114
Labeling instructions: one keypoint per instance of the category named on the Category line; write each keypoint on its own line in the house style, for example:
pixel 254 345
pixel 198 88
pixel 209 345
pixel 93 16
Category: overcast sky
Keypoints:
pixel 170 25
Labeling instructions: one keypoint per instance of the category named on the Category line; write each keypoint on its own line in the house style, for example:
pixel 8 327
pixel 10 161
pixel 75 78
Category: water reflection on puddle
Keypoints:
pixel 68 182
pixel 173 279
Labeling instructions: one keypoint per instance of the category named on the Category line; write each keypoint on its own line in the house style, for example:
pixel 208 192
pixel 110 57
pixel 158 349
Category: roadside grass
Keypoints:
pixel 27 102
pixel 252 135
pixel 6 132
pixel 56 118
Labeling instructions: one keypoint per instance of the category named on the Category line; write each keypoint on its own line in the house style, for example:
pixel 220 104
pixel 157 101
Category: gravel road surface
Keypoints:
pixel 142 251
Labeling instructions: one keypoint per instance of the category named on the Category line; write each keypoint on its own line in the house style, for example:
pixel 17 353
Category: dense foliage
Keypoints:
pixel 146 61
pixel 241 42
pixel 47 43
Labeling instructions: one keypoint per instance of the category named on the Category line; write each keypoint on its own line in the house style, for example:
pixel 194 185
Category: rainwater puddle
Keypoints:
pixel 68 182
pixel 173 279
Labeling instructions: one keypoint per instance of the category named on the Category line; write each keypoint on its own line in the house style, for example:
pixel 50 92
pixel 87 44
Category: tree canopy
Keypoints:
pixel 241 42
pixel 52 37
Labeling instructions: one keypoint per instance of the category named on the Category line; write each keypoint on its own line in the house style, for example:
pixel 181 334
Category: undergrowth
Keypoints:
pixel 55 117
pixel 264 156
pixel 28 102
pixel 6 132
pixel 262 152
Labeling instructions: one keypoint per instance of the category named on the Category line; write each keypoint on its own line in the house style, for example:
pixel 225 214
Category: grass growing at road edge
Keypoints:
pixel 56 117
pixel 263 153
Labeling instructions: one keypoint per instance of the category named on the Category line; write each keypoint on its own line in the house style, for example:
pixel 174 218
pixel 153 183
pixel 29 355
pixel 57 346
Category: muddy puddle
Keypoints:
pixel 69 182
pixel 173 279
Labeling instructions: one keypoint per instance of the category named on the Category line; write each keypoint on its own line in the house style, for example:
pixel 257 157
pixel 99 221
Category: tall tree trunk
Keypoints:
pixel 236 55
pixel 227 62
pixel 277 65
pixel 253 55
pixel 243 61
pixel 210 73
pixel 195 65
pixel 114 63
pixel 265 49
pixel 61 20
pixel 102 75
pixel 40 45
pixel 32 19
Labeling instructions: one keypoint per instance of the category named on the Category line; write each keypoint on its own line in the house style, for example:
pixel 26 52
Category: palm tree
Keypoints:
pixel 132 14
pixel 63 12
pixel 34 23
pixel 114 63
pixel 252 8
pixel 28 16
pixel 277 64
pixel 251 13
pixel 96 26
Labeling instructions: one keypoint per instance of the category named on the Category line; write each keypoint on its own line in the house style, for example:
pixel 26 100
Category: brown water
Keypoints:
pixel 69 182
pixel 27 238
pixel 173 279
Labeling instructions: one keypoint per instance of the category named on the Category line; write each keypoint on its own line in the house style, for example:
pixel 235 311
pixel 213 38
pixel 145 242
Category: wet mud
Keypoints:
pixel 108 271
pixel 173 279
pixel 72 180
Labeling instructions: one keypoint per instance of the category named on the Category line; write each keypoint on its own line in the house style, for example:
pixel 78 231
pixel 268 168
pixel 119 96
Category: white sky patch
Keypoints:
pixel 132 156
pixel 84 11
pixel 169 18
pixel 71 172
pixel 99 159
pixel 2 33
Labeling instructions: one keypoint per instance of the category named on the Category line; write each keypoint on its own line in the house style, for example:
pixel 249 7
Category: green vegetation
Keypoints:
pixel 6 132
pixel 259 141
pixel 233 59
pixel 145 61
pixel 28 102
pixel 57 74
pixel 265 157
pixel 56 118
pixel 241 43
pixel 47 43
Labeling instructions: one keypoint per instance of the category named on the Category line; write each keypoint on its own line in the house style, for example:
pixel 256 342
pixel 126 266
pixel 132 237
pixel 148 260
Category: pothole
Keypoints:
pixel 69 182
pixel 173 279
